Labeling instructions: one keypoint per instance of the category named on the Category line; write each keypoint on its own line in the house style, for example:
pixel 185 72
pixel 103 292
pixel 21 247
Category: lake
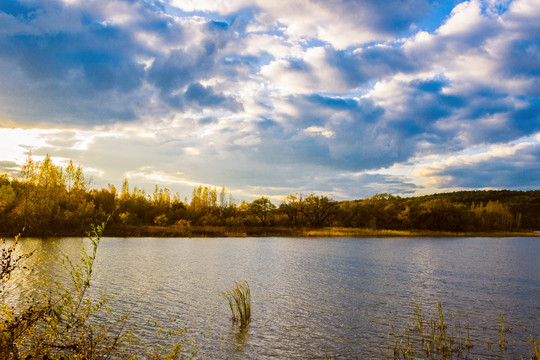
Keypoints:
pixel 311 297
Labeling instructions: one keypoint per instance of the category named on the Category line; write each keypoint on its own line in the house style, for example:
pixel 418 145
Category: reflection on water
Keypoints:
pixel 308 295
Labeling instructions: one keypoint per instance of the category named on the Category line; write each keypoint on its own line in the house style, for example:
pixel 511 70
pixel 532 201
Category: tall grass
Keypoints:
pixel 502 328
pixel 239 298
pixel 534 352
pixel 435 335
pixel 441 335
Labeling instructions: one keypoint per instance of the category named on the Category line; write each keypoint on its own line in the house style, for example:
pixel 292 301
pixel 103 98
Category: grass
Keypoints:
pixel 267 231
pixel 533 348
pixel 365 232
pixel 502 328
pixel 437 335
pixel 239 298
pixel 440 335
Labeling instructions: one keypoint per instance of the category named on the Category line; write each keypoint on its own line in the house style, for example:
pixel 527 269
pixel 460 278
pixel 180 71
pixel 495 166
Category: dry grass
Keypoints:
pixel 260 231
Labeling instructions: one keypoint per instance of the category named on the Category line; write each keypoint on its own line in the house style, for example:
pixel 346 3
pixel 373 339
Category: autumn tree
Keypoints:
pixel 134 207
pixel 161 206
pixel 79 209
pixel 261 208
pixel 203 208
pixel 442 215
pixel 494 216
pixel 318 209
pixel 7 194
pixel 105 202
pixel 292 207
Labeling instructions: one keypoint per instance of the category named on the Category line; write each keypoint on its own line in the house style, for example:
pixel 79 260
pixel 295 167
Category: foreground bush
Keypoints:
pixel 62 324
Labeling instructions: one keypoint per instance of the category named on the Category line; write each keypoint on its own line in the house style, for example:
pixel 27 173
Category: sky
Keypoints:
pixel 337 97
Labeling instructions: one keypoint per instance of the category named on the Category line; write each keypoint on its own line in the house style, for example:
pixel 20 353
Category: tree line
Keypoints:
pixel 46 199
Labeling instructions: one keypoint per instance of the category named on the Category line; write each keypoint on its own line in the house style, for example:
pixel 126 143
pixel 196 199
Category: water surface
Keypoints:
pixel 311 296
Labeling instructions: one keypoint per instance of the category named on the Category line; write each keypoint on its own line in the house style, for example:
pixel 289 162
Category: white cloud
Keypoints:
pixel 464 19
pixel 221 6
pixel 320 131
pixel 341 24
pixel 529 9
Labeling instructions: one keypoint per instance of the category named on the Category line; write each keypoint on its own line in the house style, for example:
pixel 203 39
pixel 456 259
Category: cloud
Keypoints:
pixel 270 95
pixel 339 23
pixel 500 167
pixel 75 62
pixel 205 97
pixel 9 168
pixel 179 68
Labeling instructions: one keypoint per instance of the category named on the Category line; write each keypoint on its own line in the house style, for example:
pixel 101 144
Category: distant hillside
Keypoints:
pixel 525 202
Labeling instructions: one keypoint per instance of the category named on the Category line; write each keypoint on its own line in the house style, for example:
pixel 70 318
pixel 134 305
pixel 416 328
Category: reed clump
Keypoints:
pixel 502 328
pixel 239 298
pixel 534 352
pixel 441 335
pixel 434 336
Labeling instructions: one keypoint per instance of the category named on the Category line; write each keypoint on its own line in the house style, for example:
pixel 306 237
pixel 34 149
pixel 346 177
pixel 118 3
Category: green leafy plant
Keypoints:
pixel 15 326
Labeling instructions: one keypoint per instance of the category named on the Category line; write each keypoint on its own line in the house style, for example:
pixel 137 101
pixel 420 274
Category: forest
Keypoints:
pixel 50 200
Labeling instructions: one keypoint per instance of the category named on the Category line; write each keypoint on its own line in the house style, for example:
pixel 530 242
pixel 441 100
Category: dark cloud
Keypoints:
pixel 477 115
pixel 332 102
pixel 367 185
pixel 99 55
pixel 177 75
pixel 486 116
pixel 208 121
pixel 523 57
pixel 77 64
pixel 179 68
pixel 371 64
pixel 527 119
pixel 395 16
pixel 355 139
pixel 518 171
pixel 521 60
pixel 363 136
pixel 206 97
pixel 44 103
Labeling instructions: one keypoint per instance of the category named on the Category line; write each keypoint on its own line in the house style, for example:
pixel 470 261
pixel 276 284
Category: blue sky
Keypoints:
pixel 337 97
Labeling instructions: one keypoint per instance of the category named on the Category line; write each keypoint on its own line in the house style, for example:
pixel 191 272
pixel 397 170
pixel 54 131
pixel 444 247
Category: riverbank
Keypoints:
pixel 115 230
pixel 252 231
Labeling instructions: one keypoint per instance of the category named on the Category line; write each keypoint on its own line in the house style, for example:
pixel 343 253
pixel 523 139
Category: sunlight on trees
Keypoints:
pixel 47 199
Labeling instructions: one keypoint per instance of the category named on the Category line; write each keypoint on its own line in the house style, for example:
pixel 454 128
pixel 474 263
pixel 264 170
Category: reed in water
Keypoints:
pixel 239 298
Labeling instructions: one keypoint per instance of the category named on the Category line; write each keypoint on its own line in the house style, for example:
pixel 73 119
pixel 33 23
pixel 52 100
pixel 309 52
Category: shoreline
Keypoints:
pixel 253 231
